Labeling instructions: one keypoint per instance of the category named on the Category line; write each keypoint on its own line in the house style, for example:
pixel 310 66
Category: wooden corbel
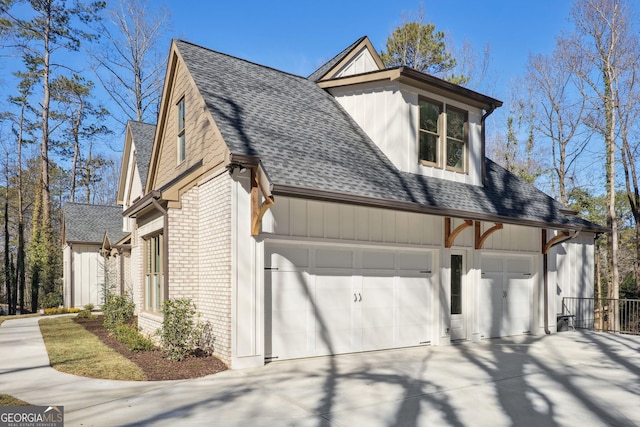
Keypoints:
pixel 258 209
pixel 449 235
pixel 554 241
pixel 482 237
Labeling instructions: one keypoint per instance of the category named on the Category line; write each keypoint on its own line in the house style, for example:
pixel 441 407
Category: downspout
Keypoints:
pixel 121 254
pixel 545 273
pixel 483 136
pixel 165 246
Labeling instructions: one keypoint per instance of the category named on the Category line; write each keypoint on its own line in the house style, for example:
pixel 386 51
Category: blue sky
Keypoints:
pixel 298 36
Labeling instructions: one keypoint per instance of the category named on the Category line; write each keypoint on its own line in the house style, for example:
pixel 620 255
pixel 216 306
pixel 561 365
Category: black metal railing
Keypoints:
pixel 620 316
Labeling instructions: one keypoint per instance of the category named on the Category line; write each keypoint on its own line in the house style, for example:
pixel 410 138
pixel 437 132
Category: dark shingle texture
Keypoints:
pixel 143 135
pixel 305 139
pixel 88 223
pixel 320 72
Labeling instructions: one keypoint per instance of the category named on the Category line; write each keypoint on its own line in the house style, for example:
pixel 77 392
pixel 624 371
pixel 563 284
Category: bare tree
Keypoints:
pixel 559 115
pixel 601 45
pixel 127 62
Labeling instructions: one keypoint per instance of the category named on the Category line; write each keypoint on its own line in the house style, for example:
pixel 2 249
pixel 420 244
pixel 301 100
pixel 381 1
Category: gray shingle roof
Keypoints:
pixel 320 72
pixel 143 135
pixel 305 140
pixel 88 223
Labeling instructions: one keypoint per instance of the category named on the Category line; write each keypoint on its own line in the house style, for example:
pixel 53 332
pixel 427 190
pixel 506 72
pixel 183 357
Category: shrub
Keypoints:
pixel 89 307
pixel 117 310
pixel 50 311
pixel 51 300
pixel 85 314
pixel 74 310
pixel 62 310
pixel 180 332
pixel 134 340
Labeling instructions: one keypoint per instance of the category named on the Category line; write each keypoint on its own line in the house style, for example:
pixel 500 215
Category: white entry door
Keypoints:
pixel 506 296
pixel 321 301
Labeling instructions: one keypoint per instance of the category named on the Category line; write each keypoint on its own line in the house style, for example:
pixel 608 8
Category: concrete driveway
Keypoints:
pixel 568 379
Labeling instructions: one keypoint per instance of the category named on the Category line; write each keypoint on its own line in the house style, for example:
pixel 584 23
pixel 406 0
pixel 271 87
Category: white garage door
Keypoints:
pixel 506 295
pixel 321 301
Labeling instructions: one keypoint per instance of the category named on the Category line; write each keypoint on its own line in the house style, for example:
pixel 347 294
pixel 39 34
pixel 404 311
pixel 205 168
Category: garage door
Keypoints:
pixel 506 295
pixel 321 301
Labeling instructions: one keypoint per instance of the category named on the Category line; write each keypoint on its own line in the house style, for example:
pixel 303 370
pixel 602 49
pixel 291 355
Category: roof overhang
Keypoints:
pixel 336 197
pixel 417 79
pixel 142 204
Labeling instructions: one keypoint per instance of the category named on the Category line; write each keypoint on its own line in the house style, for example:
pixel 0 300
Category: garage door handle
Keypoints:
pixel 355 298
pixel 360 297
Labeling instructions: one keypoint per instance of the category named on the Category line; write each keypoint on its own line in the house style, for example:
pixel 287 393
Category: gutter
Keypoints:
pixel 545 274
pixel 483 144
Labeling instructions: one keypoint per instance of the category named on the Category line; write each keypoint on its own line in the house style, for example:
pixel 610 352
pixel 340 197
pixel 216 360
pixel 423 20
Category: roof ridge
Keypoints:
pixel 241 59
pixel 91 204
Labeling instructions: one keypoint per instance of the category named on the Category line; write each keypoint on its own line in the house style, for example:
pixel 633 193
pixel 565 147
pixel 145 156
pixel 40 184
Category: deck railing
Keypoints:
pixel 600 314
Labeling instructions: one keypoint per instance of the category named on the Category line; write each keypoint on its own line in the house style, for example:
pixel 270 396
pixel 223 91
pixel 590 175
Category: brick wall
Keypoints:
pixel 183 247
pixel 215 262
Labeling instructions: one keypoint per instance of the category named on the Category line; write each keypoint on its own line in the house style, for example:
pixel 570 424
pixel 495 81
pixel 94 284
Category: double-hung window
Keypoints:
pixel 154 280
pixel 181 143
pixel 442 141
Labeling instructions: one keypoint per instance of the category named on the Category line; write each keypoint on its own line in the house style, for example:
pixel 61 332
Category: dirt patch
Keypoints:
pixel 155 366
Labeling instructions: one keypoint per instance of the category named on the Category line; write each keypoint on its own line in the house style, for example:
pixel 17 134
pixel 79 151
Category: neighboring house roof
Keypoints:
pixel 322 71
pixel 143 135
pixel 89 223
pixel 310 147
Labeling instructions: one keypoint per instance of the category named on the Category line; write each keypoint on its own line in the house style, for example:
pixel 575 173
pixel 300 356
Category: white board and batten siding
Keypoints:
pixel 87 275
pixel 362 62
pixel 391 113
pixel 320 220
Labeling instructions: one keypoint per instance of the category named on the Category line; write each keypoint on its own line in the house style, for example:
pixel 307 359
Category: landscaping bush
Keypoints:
pixel 133 339
pixel 85 314
pixel 117 310
pixel 180 332
pixel 51 300
pixel 89 307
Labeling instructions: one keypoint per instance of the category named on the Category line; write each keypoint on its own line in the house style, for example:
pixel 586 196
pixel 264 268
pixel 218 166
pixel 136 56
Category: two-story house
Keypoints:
pixel 352 210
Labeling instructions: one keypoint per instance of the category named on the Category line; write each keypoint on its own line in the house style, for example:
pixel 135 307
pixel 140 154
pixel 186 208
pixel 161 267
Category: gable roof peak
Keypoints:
pixel 335 64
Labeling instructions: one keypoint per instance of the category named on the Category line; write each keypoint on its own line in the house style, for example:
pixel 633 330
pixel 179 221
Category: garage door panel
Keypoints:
pixel 491 304
pixel 287 317
pixel 414 310
pixel 332 309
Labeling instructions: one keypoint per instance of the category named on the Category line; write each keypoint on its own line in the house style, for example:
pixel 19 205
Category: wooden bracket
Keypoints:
pixel 449 235
pixel 482 237
pixel 554 241
pixel 258 209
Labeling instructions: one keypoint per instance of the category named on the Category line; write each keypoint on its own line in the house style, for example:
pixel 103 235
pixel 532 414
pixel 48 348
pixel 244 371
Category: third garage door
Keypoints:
pixel 323 301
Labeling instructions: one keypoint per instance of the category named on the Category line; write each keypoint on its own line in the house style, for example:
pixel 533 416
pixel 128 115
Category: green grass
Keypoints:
pixel 74 350
pixel 8 400
pixel 19 316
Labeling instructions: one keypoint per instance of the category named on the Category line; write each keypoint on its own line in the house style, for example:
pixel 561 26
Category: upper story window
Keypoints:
pixel 443 136
pixel 181 143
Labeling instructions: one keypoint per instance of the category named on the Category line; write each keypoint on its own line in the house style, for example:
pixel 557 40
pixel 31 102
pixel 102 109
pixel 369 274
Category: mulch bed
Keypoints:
pixel 155 366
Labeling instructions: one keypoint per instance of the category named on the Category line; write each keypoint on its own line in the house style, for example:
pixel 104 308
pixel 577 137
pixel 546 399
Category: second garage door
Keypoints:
pixel 321 301
pixel 506 295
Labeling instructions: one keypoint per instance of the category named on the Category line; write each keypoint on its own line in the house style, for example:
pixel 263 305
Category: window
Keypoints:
pixel 429 132
pixel 456 284
pixel 448 151
pixel 181 145
pixel 154 280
